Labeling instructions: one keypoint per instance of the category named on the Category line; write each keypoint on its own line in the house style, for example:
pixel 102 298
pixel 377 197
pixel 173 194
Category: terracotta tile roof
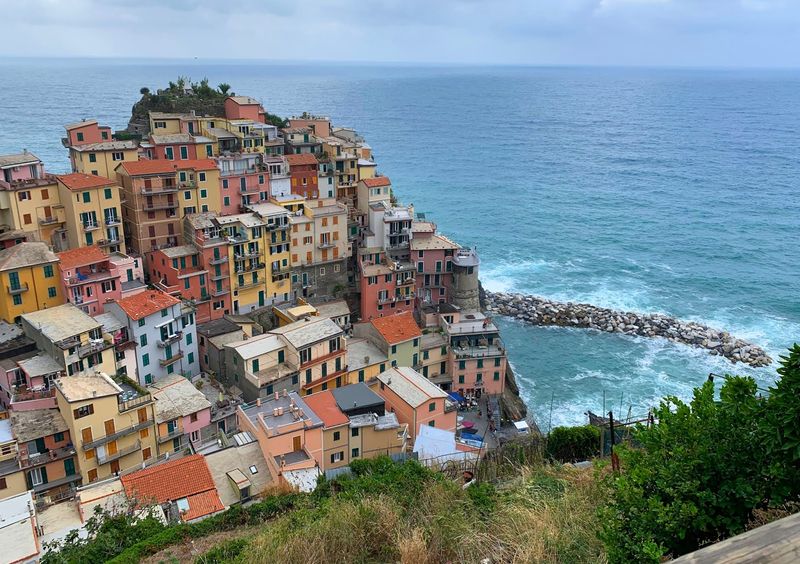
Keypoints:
pixel 80 181
pixel 377 181
pixel 187 477
pixel 196 164
pixel 81 257
pixel 137 168
pixel 146 303
pixel 397 328
pixel 324 405
pixel 302 159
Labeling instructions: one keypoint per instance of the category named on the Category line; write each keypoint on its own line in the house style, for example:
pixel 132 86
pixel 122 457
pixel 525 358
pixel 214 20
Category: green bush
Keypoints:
pixel 572 444
pixel 226 551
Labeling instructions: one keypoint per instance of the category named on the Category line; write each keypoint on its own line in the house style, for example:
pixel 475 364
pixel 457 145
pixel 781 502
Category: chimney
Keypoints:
pixel 274 411
pixel 285 393
pixel 277 396
pixel 283 461
pixel 258 401
pixel 280 411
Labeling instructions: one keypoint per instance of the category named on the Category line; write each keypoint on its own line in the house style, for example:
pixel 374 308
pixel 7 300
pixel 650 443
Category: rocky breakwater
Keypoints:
pixel 540 311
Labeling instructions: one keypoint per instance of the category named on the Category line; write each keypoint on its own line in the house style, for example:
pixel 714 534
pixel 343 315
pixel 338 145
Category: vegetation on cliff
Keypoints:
pixel 183 96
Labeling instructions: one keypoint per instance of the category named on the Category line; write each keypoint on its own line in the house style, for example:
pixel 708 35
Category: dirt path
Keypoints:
pixel 188 551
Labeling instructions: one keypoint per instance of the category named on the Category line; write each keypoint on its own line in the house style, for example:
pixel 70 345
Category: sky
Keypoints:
pixel 726 33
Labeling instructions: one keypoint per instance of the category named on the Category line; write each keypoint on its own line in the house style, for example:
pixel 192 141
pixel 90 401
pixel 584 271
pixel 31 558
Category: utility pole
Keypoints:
pixel 614 457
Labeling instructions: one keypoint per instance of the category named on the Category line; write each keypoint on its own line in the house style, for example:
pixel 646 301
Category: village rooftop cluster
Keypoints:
pixel 218 306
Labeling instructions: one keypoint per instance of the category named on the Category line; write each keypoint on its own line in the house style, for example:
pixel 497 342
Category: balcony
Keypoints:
pixel 21 394
pixel 112 221
pixel 247 285
pixel 90 225
pixel 159 206
pixel 406 281
pixel 220 276
pixel 175 433
pixel 218 260
pixel 86 278
pixel 155 190
pixel 108 242
pixel 49 220
pixel 109 457
pixel 39 458
pixel 326 244
pixel 17 288
pixel 91 348
pixel 243 255
pixel 167 361
pixel 220 293
pixel 118 434
pixel 239 238
pixel 170 339
pixel 249 267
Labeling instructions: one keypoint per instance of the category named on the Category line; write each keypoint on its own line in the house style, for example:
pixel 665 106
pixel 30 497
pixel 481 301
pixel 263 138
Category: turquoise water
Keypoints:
pixel 650 190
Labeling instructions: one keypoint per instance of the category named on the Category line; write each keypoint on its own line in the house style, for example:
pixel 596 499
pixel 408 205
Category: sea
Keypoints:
pixel 649 190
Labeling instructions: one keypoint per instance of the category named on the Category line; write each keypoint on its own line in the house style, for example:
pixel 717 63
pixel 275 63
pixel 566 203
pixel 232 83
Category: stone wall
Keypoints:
pixel 539 311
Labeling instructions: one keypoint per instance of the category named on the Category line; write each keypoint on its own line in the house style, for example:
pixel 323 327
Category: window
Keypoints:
pixel 394 349
pixel 202 177
pixel 58 437
pixel 184 152
pixel 354 432
pixel 164 312
pixel 187 195
pixel 141 322
pixel 432 406
pixel 92 158
pixel 462 364
pixel 497 362
pixel 255 366
pixel 227 200
pixel 83 411
pixel 17 299
pixel 496 377
pixel 354 453
pixel 24 195
pixel 305 355
pixel 190 357
pixel 416 342
pixel 337 457
pixel 117 156
pixel 87 197
pixel 188 338
pixel 3 484
pixel 360 377
pixel 480 363
pixel 461 379
pixel 146 359
pixel 146 453
pixel 333 345
pixel 26 218
pixel 48 271
pixel 337 435
pixel 51 292
pixel 431 423
pixel 169 154
pixel 203 193
pixel 107 193
pixel 479 377
pixel 79 136
pixel 143 340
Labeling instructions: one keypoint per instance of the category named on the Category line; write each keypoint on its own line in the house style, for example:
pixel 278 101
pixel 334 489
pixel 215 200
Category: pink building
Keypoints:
pixel 203 233
pixel 244 180
pixel 178 147
pixel 477 356
pixel 244 107
pixel 86 131
pixel 386 287
pixel 26 378
pixel 183 413
pixel 89 279
pixel 432 255
pixel 21 167
pixel 415 400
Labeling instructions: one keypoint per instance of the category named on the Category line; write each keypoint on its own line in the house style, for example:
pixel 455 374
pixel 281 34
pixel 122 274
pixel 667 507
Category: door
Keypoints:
pixel 86 435
pixel 112 448
pixel 109 427
pixel 40 445
pixel 115 467
pixel 296 444
pixel 261 298
pixel 69 467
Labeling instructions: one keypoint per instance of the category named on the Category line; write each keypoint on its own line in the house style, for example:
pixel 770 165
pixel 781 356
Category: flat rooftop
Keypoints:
pixel 79 388
pixel 61 322
pixel 361 353
pixel 307 332
pixel 357 396
pixel 471 322
pixel 176 397
pixel 275 422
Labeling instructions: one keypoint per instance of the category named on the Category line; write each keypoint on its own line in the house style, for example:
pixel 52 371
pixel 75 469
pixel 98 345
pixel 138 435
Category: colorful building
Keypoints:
pixel 432 255
pixel 244 180
pixel 477 358
pixel 398 336
pixel 205 234
pixel 93 149
pixel 89 279
pixel 183 414
pixel 92 211
pixel 29 199
pixel 29 280
pixel 303 174
pixel 261 365
pixel 415 400
pixel 386 286
pixel 164 332
pixel 112 425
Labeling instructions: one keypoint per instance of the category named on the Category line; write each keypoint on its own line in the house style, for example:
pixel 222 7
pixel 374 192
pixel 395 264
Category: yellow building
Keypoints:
pixel 72 338
pixel 166 123
pixel 28 280
pixel 276 241
pixel 364 361
pixel 246 257
pixel 92 211
pixel 112 424
pixel 101 159
pixel 29 199
pixel 11 475
pixel 198 183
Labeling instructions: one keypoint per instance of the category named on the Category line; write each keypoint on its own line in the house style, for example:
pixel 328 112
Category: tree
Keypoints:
pixel 144 91
pixel 572 444
pixel 224 87
pixel 780 430
pixel 695 479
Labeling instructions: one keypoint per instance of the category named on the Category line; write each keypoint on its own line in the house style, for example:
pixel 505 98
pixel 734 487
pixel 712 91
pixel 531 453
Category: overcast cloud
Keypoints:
pixel 761 33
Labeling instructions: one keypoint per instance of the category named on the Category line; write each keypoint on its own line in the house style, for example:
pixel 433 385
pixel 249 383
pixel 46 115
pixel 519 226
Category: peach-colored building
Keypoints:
pixel 244 107
pixel 303 173
pixel 202 231
pixel 288 432
pixel 387 287
pixel 415 400
pixel 244 180
pixel 432 254
pixel 477 356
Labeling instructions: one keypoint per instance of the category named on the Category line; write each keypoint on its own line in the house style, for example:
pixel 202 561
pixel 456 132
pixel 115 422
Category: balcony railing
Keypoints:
pixel 124 406
pixel 170 339
pixel 249 267
pixel 91 348
pixel 48 220
pixel 220 276
pixel 159 190
pixel 222 292
pixel 159 206
pixel 117 434
pixel 239 238
pixel 17 288
pixel 250 284
pixel 175 358
pixel 108 242
pixel 39 458
pixel 405 281
pixel 109 457
pixel 112 220
pixel 30 395
pixel 90 225
pixel 244 255
pixel 177 432
pixel 90 277
pixel 326 244
pixel 218 260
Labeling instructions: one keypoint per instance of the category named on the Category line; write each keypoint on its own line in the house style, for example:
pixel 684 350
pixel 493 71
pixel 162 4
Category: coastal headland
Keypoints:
pixel 536 310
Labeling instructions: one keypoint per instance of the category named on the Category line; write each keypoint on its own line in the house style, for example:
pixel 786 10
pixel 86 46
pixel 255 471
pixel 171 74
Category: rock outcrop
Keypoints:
pixel 539 311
